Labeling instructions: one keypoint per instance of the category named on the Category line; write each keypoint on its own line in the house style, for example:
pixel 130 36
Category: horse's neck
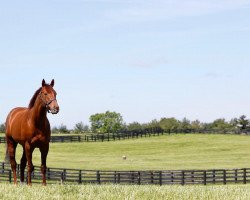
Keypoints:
pixel 38 113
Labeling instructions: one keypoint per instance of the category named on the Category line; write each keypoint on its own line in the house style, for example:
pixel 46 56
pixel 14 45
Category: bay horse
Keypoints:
pixel 30 127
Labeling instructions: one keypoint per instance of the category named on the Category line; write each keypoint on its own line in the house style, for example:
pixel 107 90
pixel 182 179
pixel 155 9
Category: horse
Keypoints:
pixel 30 128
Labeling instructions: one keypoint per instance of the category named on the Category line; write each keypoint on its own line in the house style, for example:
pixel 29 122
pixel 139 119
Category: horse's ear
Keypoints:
pixel 52 83
pixel 43 82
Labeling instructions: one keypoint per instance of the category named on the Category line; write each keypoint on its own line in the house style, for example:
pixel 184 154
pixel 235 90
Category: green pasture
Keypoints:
pixel 132 192
pixel 182 151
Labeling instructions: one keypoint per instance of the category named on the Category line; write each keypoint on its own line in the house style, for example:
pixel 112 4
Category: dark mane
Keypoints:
pixel 33 99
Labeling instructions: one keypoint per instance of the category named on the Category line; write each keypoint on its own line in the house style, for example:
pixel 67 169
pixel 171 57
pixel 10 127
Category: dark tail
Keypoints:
pixel 7 157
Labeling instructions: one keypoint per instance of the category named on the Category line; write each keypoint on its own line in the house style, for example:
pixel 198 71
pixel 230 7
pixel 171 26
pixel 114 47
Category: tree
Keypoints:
pixel 220 125
pixel 2 128
pixel 54 130
pixel 80 128
pixel 60 129
pixel 196 125
pixel 234 125
pixel 108 122
pixel 243 122
pixel 134 126
pixel 154 126
pixel 234 122
pixel 169 124
pixel 63 129
pixel 185 125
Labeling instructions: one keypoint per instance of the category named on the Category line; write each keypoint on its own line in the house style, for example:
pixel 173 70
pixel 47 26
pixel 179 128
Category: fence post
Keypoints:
pixel 139 178
pixel 214 176
pixel 2 167
pixel 115 178
pixel 152 177
pixel 48 173
pixel 80 177
pixel 10 176
pixel 244 175
pixel 224 177
pixel 62 177
pixel 172 177
pixel 235 175
pixel 182 177
pixel 192 176
pixel 98 177
pixel 119 178
pixel 205 177
pixel 132 177
pixel 160 177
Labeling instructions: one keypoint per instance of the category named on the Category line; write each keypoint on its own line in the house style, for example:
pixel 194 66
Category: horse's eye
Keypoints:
pixel 45 94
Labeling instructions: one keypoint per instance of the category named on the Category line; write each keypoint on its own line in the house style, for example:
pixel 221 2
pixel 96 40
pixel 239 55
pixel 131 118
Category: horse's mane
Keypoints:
pixel 33 99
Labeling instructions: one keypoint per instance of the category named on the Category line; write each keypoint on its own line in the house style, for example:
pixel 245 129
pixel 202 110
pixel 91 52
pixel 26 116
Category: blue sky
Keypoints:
pixel 145 59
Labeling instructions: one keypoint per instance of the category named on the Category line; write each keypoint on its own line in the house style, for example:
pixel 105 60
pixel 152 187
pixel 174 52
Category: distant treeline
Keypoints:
pixel 115 124
pixel 112 122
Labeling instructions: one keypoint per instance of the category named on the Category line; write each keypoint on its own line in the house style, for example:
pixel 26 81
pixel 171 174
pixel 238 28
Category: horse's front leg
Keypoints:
pixel 44 152
pixel 28 151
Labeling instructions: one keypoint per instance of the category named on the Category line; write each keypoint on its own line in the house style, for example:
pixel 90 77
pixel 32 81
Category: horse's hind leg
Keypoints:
pixel 11 148
pixel 23 163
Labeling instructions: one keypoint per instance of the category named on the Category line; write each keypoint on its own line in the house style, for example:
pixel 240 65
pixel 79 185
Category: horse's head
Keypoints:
pixel 48 97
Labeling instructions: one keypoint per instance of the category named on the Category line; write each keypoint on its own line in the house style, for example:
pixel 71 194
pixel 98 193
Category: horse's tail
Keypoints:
pixel 7 157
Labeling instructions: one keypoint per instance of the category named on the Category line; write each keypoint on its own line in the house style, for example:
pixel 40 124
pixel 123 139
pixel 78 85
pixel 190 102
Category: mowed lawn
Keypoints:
pixel 126 192
pixel 182 151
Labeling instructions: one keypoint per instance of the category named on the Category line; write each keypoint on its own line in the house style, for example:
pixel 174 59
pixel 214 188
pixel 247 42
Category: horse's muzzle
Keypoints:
pixel 54 110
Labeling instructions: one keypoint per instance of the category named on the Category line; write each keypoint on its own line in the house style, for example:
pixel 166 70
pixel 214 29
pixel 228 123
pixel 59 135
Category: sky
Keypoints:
pixel 145 59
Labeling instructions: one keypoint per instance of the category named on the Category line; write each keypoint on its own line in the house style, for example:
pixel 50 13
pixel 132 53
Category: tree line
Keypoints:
pixel 112 122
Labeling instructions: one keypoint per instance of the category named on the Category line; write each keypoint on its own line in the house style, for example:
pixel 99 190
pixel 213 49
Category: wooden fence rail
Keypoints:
pixel 95 137
pixel 164 177
pixel 117 136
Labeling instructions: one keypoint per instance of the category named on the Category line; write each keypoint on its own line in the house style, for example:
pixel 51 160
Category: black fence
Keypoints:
pixel 165 177
pixel 126 135
pixel 96 137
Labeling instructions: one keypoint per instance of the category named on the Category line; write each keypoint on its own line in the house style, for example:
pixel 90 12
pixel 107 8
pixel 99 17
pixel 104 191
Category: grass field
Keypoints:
pixel 114 192
pixel 190 151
